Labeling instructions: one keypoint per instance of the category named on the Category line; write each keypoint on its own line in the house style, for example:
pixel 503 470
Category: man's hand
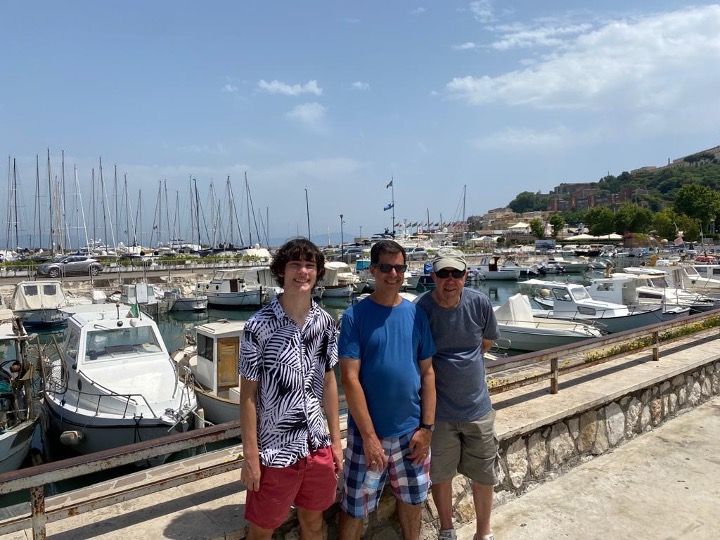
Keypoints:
pixel 250 473
pixel 420 446
pixel 337 457
pixel 375 457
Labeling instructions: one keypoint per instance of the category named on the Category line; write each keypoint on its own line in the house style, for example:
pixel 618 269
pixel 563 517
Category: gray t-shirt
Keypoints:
pixel 462 394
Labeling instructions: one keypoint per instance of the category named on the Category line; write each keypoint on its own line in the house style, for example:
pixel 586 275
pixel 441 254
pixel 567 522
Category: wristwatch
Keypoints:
pixel 429 427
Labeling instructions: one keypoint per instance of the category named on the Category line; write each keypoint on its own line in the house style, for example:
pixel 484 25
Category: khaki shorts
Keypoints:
pixel 468 448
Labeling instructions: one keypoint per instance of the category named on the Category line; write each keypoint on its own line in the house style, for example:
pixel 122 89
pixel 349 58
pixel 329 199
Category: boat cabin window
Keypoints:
pixel 71 348
pixel 580 293
pixel 8 352
pixel 105 344
pixel 204 347
pixel 561 294
pixel 50 289
pixel 30 290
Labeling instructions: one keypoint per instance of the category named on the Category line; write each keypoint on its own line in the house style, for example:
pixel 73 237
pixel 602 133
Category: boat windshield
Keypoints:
pixel 135 341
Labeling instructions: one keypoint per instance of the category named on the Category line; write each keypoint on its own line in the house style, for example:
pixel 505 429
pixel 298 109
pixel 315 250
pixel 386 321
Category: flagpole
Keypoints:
pixel 392 188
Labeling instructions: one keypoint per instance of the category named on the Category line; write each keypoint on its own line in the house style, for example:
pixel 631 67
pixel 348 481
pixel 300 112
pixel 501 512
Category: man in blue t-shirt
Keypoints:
pixel 385 349
pixel 464 327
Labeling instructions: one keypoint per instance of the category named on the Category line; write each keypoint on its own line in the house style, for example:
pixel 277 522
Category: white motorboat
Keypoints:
pixel 572 301
pixel 523 331
pixel 339 280
pixel 210 360
pixel 648 286
pixel 687 277
pixel 490 268
pixel 40 303
pixel 572 265
pixel 18 418
pixel 192 302
pixel 114 383
pixel 229 288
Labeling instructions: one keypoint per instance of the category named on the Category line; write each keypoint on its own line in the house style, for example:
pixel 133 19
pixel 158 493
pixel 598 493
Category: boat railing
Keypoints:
pixel 185 383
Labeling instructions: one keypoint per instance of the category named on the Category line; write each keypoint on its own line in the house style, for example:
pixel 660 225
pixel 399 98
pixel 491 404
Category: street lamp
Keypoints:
pixel 342 239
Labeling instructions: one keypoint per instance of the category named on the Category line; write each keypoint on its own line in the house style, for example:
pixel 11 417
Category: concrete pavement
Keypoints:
pixel 664 484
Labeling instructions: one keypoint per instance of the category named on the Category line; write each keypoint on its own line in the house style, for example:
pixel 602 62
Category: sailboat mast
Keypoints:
pixel 37 220
pixel 65 233
pixel 247 199
pixel 307 213
pixel 197 212
pixel 50 197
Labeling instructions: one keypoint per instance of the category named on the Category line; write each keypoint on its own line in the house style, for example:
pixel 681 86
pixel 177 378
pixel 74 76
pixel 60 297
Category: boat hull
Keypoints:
pixel 235 299
pixel 44 318
pixel 217 410
pixel 522 340
pixel 15 445
pixel 105 433
pixel 190 304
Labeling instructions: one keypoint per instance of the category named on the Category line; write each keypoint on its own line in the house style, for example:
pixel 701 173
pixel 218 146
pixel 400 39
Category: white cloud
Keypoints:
pixel 279 87
pixel 467 46
pixel 523 138
pixel 656 62
pixel 312 115
pixel 359 85
pixel 546 36
pixel 418 11
pixel 231 88
pixel 203 149
pixel 482 10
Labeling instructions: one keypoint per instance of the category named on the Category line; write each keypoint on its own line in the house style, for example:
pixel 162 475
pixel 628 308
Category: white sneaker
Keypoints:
pixel 447 534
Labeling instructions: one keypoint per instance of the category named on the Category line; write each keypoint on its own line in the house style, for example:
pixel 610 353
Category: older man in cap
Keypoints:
pixel 464 327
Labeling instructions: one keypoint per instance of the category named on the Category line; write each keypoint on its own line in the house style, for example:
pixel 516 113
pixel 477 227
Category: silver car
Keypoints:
pixel 72 265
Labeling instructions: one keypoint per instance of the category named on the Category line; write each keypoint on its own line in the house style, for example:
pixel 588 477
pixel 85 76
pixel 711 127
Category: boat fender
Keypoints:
pixel 72 438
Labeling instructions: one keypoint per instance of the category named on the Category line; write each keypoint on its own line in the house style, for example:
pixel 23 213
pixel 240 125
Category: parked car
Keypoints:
pixel 417 254
pixel 71 265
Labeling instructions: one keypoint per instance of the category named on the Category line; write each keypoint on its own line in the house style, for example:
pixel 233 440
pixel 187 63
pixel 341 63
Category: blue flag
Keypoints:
pixel 389 185
pixel 388 206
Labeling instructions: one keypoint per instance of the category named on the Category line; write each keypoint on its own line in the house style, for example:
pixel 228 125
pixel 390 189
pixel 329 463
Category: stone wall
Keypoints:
pixel 541 454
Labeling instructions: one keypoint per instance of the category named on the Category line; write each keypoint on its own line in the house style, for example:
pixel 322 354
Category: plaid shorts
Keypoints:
pixel 409 483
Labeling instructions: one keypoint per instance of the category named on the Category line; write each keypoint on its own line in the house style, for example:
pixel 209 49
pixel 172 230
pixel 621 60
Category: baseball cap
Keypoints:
pixel 449 258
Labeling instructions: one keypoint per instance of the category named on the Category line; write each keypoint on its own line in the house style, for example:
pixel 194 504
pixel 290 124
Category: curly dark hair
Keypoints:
pixel 297 249
pixel 386 246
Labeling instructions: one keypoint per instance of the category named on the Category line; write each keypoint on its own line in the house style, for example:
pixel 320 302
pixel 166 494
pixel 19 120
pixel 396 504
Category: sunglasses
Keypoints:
pixel 387 268
pixel 445 273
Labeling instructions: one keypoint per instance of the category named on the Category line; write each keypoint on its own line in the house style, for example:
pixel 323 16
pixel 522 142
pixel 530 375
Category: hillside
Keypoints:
pixel 653 188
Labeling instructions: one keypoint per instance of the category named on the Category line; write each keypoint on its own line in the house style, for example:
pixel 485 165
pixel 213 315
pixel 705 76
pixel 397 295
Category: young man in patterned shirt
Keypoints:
pixel 287 356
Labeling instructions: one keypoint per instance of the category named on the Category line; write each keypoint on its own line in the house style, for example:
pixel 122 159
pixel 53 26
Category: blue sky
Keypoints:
pixel 337 98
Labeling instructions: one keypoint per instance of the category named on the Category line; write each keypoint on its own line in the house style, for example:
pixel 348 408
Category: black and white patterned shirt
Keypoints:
pixel 289 363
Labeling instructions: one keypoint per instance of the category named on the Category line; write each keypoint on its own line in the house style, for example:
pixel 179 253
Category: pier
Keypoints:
pixel 559 413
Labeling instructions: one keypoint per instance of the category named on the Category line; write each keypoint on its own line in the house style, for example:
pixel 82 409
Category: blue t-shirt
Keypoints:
pixel 462 393
pixel 389 342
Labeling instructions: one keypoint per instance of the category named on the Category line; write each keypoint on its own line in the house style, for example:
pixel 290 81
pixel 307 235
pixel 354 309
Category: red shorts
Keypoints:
pixel 311 484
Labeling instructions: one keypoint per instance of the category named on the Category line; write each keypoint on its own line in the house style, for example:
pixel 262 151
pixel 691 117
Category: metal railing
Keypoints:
pixel 35 479
pixel 570 358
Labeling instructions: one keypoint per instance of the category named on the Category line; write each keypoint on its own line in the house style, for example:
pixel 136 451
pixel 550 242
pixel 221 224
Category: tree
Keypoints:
pixel 599 220
pixel 557 223
pixel 537 228
pixel 632 218
pixel 528 201
pixel 698 201
pixel 664 224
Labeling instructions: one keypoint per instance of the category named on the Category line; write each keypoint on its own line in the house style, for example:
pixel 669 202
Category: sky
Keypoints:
pixel 463 105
